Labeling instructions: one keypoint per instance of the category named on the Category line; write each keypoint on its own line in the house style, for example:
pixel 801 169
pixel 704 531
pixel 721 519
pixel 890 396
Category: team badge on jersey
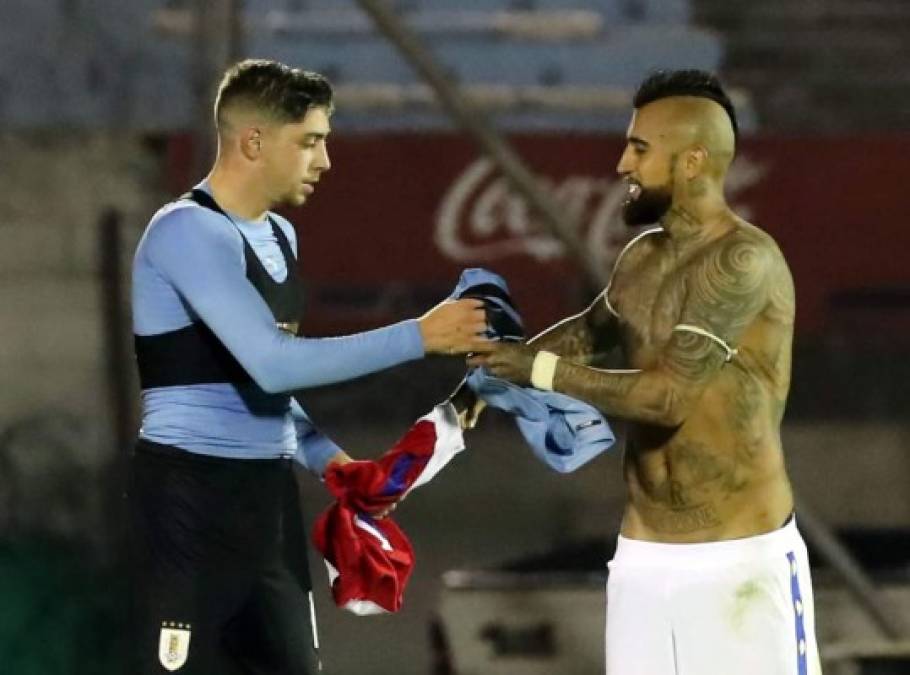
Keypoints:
pixel 173 644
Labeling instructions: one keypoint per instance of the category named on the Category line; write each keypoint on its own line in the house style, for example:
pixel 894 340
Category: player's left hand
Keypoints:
pixel 510 361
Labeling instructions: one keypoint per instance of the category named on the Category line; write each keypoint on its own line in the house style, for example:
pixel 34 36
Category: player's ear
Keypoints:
pixel 251 143
pixel 696 161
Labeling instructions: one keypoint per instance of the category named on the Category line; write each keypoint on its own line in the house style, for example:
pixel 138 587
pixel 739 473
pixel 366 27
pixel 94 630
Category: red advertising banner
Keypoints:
pixel 399 216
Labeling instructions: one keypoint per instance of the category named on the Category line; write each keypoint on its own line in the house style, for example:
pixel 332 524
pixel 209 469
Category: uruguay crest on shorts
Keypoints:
pixel 173 645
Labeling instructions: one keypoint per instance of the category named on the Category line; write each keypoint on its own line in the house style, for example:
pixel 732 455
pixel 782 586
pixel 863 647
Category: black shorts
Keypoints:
pixel 221 585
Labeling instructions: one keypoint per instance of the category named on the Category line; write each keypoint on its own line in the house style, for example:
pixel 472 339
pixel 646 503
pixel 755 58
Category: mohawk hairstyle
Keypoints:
pixel 283 93
pixel 698 83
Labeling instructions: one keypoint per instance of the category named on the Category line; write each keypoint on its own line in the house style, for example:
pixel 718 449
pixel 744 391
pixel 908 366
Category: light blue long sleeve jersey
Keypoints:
pixel 189 266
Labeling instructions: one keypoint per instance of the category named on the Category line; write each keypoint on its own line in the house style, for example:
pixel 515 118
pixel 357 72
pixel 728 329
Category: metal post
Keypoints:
pixel 218 40
pixel 121 397
pixel 857 581
pixel 475 123
pixel 114 326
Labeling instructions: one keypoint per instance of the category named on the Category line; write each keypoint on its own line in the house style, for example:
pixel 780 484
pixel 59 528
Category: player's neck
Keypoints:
pixel 693 222
pixel 237 193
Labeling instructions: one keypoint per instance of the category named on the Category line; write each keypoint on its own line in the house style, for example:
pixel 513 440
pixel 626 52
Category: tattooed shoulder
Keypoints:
pixel 730 283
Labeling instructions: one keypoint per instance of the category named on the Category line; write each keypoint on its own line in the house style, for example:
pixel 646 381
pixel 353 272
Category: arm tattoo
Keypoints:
pixel 589 337
pixel 571 338
pixel 637 395
pixel 782 297
pixel 725 292
pixel 583 338
pixel 728 288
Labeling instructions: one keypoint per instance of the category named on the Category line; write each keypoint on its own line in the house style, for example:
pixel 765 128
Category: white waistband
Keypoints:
pixel 777 542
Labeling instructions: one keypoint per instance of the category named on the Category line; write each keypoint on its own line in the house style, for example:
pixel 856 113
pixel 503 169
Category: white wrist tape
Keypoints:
pixel 543 370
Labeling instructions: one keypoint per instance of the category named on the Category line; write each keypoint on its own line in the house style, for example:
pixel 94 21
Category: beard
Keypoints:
pixel 648 207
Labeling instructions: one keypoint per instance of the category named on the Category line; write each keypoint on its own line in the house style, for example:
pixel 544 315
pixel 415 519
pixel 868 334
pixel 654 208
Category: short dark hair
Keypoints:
pixel 283 93
pixel 699 83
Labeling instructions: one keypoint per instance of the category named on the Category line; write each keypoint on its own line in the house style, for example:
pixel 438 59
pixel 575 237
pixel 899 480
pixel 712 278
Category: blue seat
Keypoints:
pixel 529 121
pixel 357 59
pixel 468 5
pixel 291 5
pixel 628 11
pixel 639 36
pixel 165 97
pixel 615 11
pixel 621 60
pixel 632 52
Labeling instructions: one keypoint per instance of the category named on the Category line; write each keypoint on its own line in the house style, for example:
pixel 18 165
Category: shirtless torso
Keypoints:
pixel 703 458
pixel 721 474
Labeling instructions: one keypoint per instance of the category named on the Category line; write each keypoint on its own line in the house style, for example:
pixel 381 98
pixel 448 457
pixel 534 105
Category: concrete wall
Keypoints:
pixel 55 186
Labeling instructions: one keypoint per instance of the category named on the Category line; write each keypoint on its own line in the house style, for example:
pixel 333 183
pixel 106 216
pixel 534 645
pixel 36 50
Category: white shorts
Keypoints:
pixel 741 606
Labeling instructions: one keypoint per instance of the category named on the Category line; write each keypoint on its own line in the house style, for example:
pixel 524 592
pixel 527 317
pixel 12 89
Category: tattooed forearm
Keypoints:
pixel 662 395
pixel 639 396
pixel 571 338
pixel 582 338
pixel 725 292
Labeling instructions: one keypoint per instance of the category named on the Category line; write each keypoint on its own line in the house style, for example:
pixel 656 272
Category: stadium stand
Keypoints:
pixel 830 66
pixel 555 64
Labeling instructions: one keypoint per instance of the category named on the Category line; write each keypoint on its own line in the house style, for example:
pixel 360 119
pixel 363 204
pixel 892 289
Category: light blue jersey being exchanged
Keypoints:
pixel 190 267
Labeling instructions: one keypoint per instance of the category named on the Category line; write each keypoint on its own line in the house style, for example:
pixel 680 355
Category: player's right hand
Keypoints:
pixel 455 327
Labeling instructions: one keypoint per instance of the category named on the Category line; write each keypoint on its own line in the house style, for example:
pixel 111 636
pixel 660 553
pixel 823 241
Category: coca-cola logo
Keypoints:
pixel 480 219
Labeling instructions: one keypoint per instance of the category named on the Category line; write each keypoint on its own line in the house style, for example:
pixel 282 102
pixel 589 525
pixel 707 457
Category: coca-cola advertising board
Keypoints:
pixel 398 217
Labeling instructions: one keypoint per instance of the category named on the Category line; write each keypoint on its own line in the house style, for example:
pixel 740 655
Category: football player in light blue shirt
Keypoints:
pixel 220 575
